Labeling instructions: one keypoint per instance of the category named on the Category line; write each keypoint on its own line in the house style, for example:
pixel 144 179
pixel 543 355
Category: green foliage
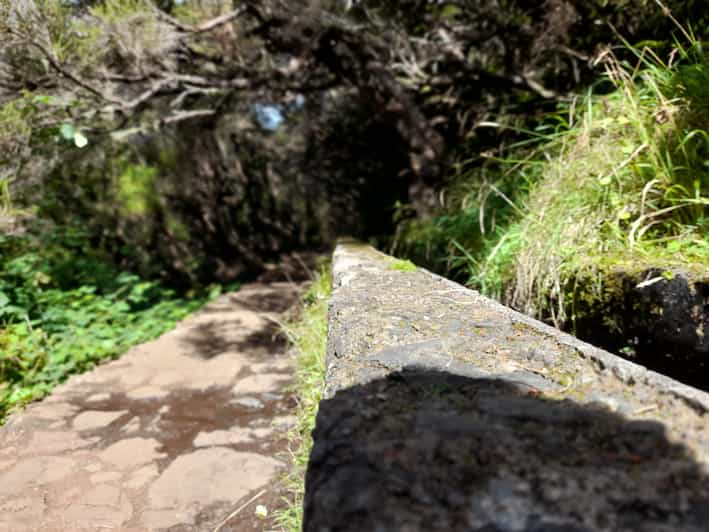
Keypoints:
pixel 22 144
pixel 629 187
pixel 63 310
pixel 622 181
pixel 65 36
pixel 136 189
pixel 483 200
pixel 13 119
pixel 309 337
pixel 115 10
pixel 618 178
pixel 5 198
pixel 15 133
pixel 69 132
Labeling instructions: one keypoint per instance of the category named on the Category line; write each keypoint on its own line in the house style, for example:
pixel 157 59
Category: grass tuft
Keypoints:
pixel 617 179
pixel 308 335
pixel 626 187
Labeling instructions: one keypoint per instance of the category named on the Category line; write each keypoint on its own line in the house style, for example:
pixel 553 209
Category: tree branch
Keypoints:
pixel 54 63
pixel 209 25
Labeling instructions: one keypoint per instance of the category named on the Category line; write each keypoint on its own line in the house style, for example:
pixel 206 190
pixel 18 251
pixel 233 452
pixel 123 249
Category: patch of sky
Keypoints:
pixel 268 116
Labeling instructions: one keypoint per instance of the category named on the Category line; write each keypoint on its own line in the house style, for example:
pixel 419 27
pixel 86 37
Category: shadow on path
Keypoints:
pixel 221 330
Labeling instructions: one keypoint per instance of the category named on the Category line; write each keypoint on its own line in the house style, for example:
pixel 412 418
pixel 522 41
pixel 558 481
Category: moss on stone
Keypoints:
pixel 403 266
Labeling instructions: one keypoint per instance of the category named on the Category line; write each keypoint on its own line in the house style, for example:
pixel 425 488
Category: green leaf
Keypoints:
pixel 214 291
pixel 43 99
pixel 67 131
pixel 13 310
pixel 674 246
pixel 624 215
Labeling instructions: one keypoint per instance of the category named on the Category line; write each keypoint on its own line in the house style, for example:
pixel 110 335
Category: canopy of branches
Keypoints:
pixel 377 98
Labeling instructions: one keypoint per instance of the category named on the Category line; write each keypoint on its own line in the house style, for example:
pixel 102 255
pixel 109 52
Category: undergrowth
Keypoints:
pixel 482 200
pixel 308 335
pixel 618 178
pixel 63 309
pixel 627 186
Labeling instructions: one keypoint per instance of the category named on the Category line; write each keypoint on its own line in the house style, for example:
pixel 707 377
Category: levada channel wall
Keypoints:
pixel 447 411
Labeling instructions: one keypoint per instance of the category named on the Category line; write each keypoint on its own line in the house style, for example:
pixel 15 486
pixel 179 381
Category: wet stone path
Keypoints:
pixel 177 434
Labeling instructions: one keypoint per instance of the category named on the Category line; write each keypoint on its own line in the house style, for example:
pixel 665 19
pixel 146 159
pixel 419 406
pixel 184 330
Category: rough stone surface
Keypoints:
pixel 93 419
pixel 162 437
pixel 132 452
pixel 267 382
pixel 231 437
pixel 206 477
pixel 447 411
pixel 661 315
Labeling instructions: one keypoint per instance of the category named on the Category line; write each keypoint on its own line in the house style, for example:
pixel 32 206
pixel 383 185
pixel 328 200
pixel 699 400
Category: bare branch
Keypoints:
pixel 219 21
pixel 180 116
pixel 201 81
pixel 156 89
pixel 187 115
pixel 194 91
pixel 209 25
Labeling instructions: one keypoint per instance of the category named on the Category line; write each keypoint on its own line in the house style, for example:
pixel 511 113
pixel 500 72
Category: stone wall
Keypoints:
pixel 447 411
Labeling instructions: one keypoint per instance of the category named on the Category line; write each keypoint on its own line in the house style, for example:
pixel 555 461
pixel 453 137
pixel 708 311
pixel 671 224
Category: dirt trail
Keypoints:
pixel 177 434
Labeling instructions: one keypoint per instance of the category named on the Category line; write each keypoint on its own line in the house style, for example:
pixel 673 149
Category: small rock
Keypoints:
pixel 132 452
pixel 94 419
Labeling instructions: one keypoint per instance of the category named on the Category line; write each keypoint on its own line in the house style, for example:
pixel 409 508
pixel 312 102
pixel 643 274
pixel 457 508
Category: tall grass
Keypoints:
pixel 5 198
pixel 627 185
pixel 308 335
pixel 617 178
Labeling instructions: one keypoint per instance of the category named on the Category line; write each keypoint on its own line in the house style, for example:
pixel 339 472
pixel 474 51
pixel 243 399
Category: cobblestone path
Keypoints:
pixel 178 434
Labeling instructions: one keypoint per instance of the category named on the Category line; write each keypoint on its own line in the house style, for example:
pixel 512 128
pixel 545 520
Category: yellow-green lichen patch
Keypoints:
pixel 403 266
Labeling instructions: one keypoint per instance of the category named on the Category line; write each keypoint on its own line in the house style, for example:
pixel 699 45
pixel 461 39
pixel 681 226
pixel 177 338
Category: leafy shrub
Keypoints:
pixel 63 310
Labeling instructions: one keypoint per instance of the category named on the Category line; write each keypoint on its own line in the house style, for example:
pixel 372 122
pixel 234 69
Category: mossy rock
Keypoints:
pixel 658 316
